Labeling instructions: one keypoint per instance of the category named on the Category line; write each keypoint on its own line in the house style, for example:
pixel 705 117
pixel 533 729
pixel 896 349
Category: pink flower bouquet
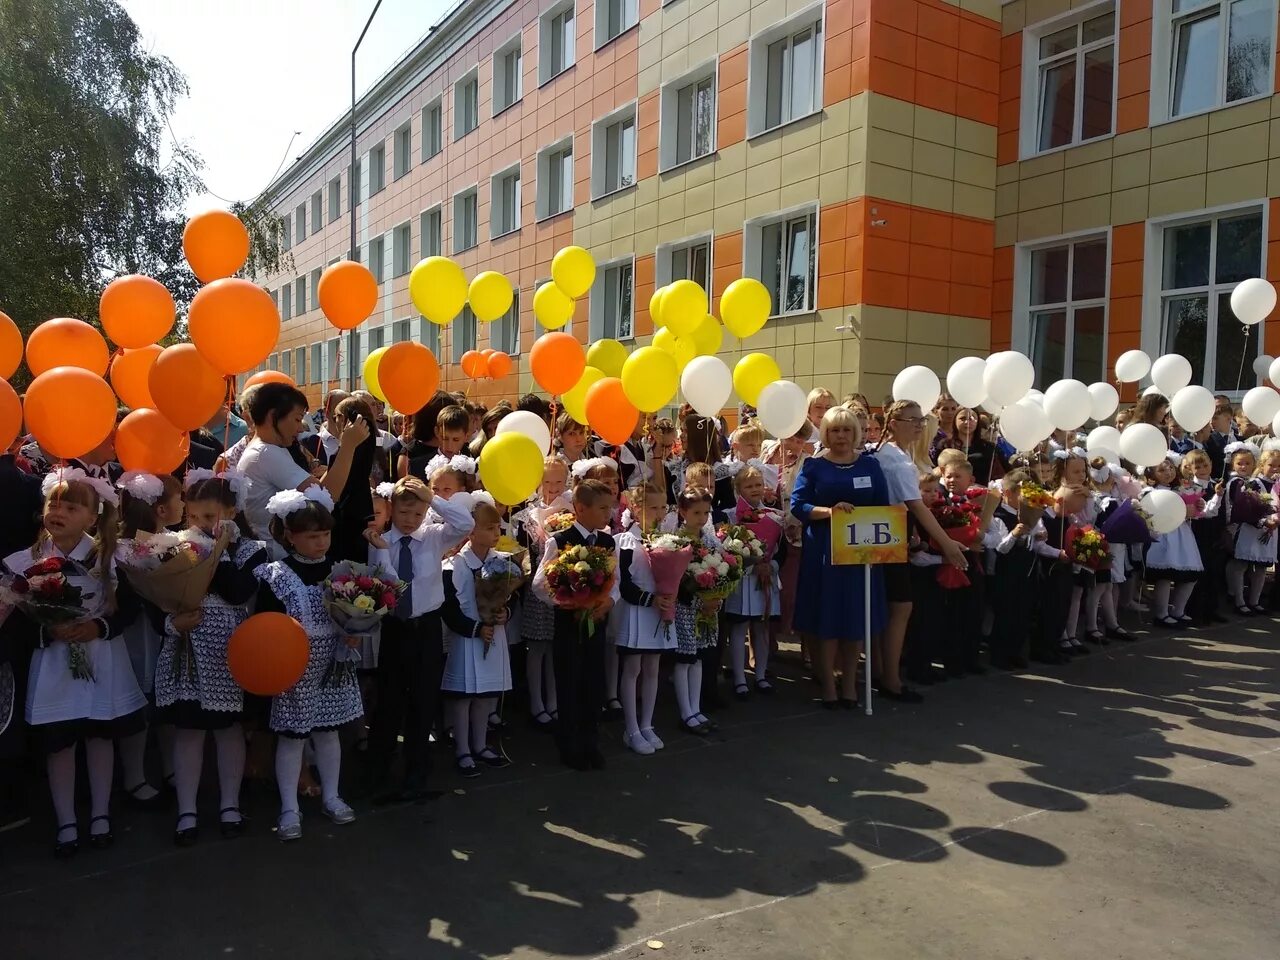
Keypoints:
pixel 669 558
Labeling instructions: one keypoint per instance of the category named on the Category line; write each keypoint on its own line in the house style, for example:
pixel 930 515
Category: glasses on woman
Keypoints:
pixel 915 421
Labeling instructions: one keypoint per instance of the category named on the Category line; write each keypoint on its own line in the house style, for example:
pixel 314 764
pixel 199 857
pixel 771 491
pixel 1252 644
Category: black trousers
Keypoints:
pixel 578 661
pixel 410 665
pixel 1056 583
pixel 1015 596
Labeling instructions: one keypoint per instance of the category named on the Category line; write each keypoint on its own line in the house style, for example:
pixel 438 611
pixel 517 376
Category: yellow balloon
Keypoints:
pixel 511 467
pixel 490 295
pixel 708 337
pixel 682 348
pixel 683 307
pixel 650 378
pixel 574 271
pixel 753 373
pixel 552 306
pixel 744 306
pixel 608 356
pixel 655 307
pixel 370 371
pixel 438 288
pixel 574 401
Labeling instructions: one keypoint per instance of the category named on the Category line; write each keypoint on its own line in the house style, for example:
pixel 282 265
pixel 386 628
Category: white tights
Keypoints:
pixel 471 724
pixel 1073 613
pixel 1181 594
pixel 1101 598
pixel 328 753
pixel 687 679
pixel 1236 572
pixel 100 761
pixel 188 763
pixel 541 677
pixel 760 636
pixel 639 690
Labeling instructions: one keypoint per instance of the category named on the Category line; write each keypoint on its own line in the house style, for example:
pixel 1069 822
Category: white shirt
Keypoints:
pixel 427 545
pixel 267 470
pixel 549 553
pixel 900 473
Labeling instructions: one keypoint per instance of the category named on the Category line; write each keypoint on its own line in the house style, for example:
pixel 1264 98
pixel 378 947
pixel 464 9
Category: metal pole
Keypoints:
pixel 355 190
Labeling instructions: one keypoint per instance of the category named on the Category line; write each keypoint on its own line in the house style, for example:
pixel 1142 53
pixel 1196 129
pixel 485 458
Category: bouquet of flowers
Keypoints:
pixel 1251 506
pixel 960 522
pixel 669 558
pixel 712 575
pixel 579 578
pixel 47 596
pixel 557 522
pixel 497 579
pixel 1128 523
pixel 1195 504
pixel 765 524
pixel 357 596
pixel 1033 501
pixel 1088 547
pixel 173 570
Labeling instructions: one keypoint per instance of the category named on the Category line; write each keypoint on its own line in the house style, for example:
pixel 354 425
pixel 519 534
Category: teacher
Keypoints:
pixel 830 599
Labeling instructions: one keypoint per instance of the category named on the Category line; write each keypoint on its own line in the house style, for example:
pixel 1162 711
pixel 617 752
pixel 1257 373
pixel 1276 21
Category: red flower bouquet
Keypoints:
pixel 47 596
pixel 579 578
pixel 1087 547
pixel 959 521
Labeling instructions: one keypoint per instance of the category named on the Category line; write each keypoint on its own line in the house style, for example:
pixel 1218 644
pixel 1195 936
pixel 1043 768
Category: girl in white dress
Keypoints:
pixel 477 669
pixel 92 697
pixel 1173 559
pixel 757 601
pixel 1253 544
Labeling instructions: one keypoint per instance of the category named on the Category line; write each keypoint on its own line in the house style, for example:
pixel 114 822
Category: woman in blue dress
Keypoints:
pixel 829 600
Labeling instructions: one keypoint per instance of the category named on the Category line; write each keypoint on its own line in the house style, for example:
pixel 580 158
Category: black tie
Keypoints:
pixel 591 539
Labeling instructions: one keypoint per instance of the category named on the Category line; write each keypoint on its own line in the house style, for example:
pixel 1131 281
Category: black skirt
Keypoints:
pixel 57 736
pixel 189 715
pixel 1156 574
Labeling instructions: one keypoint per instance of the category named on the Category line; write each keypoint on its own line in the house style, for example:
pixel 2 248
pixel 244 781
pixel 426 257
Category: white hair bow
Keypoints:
pixel 1174 457
pixel 196 475
pixel 1239 445
pixel 384 490
pixel 291 501
pixel 582 467
pixel 141 486
pixel 99 485
pixel 458 461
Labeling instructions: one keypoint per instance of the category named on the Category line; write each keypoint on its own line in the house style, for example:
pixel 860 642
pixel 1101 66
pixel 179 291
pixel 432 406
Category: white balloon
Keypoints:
pixel 918 384
pixel 1036 397
pixel 1253 300
pixel 1068 404
pixel 1008 376
pixel 1143 444
pixel 1192 407
pixel 1166 509
pixel 1151 391
pixel 1024 424
pixel 529 424
pixel 1103 438
pixel 1171 373
pixel 1275 429
pixel 964 381
pixel 1103 400
pixel 1132 366
pixel 991 407
pixel 782 407
pixel 1273 372
pixel 1262 365
pixel 707 383
pixel 1261 404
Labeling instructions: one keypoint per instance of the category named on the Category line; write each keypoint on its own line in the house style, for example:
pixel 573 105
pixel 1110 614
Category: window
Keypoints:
pixel 556 41
pixel 318 372
pixel 689 260
pixel 300 220
pixel 286 302
pixel 504 333
pixel 337 360
pixel 300 366
pixel 377 338
pixel 432 129
pixel 353 180
pixel 1073 69
pixel 1216 51
pixel 466 99
pixel 1201 261
pixel 286 363
pixel 614 17
pixel 335 198
pixel 611 297
pixel 464 333
pixel 613 140
pixel 286 233
pixel 784 250
pixel 300 296
pixel 785 73
pixel 504 202
pixel 507 83
pixel 555 179
pixel 315 288
pixel 403 157
pixel 317 211
pixel 400 250
pixel 402 330
pixel 429 233
pixel 275 299
pixel 377 169
pixel 429 335
pixel 689 117
pixel 465 224
pixel 377 251
pixel 1067 310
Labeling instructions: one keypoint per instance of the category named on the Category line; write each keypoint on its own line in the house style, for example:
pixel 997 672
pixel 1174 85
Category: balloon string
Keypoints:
pixel 1244 352
pixel 226 406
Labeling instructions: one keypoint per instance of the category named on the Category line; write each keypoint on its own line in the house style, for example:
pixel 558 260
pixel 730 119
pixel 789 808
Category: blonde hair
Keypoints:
pixel 1188 466
pixel 747 433
pixel 1268 456
pixel 555 463
pixel 485 512
pixel 464 480
pixel 706 476
pixel 106 532
pixel 411 488
pixel 745 474
pixel 819 393
pixel 949 456
pixel 959 463
pixel 840 417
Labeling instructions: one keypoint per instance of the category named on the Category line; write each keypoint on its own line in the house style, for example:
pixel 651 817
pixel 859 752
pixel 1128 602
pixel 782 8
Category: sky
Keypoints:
pixel 259 70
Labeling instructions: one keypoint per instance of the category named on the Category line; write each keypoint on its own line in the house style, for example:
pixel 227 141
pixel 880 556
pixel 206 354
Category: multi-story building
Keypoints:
pixel 914 180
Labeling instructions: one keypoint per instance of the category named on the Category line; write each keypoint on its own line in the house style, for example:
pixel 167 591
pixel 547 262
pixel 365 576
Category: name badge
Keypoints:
pixel 861 483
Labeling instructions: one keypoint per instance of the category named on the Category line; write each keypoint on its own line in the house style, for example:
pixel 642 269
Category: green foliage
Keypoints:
pixel 267 255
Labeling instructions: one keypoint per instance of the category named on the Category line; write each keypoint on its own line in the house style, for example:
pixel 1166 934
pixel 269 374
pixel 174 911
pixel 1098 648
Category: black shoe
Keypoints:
pixel 491 758
pixel 186 836
pixel 66 849
pixel 1097 638
pixel 574 760
pixel 613 709
pixel 1120 633
pixel 695 726
pixel 847 704
pixel 100 841
pixel 595 759
pixel 902 695
pixel 1167 622
pixel 538 723
pixel 230 829
pixel 468 770
pixel 830 704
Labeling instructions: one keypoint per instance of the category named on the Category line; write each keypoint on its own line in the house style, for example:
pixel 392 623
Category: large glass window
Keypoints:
pixel 555 179
pixel 556 41
pixel 429 233
pixel 464 333
pixel 1220 51
pixel 465 226
pixel 793 78
pixel 506 76
pixel 1067 311
pixel 466 105
pixel 611 302
pixel 432 134
pixel 504 333
pixel 1075 82
pixel 788 262
pixel 691 261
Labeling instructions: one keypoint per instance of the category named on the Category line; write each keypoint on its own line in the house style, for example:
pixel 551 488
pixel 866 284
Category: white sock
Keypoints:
pixel 188 759
pixel 480 710
pixel 1160 604
pixel 1256 581
pixel 1091 601
pixel 461 719
pixel 1073 613
pixel 1235 580
pixel 133 752
pixel 1181 594
pixel 738 652
pixel 61 768
pixel 231 753
pixel 328 750
pixel 627 694
pixel 695 688
pixel 549 678
pixel 164 737
pixel 100 759
pixel 680 680
pixel 288 769
pixel 761 641
pixel 1109 606
pixel 533 672
pixel 648 689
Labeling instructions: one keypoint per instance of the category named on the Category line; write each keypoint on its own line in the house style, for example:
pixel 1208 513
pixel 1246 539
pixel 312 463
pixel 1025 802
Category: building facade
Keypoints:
pixel 914 180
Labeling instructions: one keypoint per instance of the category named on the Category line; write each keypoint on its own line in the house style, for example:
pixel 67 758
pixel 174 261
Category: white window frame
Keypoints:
pixel 429 336
pixel 402 330
pixel 498 203
pixel 377 168
pixel 753 243
pixel 402 150
pixel 317 370
pixel 335 194
pixel 377 257
pixel 508 321
pixel 1033 69
pixel 1022 308
pixel 600 133
pixel 670 117
pixel 758 68
pixel 286 301
pixel 603 10
pixel 1154 294
pixel 300 365
pixel 300 222
pixel 424 222
pixel 665 252
pixel 433 128
pixel 472 192
pixel 314 285
pixel 545 155
pixel 598 300
pixel 470 78
pixel 1164 59
pixel 500 78
pixel 299 296
pixel 464 323
pixel 546 22
pixel 401 249
pixel 317 212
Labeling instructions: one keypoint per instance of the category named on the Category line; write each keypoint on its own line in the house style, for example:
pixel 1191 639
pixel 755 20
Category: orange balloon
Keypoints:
pixel 69 411
pixel 234 325
pixel 408 375
pixel 267 654
pixel 557 362
pixel 499 365
pixel 347 293
pixel 136 310
pixel 146 441
pixel 216 245
pixel 131 373
pixel 270 376
pixel 66 342
pixel 609 412
pixel 10 346
pixel 488 352
pixel 474 365
pixel 10 415
pixel 185 388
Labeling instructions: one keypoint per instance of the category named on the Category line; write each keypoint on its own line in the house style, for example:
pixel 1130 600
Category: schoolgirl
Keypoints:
pixel 571 440
pixel 1173 559
pixel 1111 485
pixel 1209 529
pixel 692 638
pixel 1253 539
pixel 757 600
